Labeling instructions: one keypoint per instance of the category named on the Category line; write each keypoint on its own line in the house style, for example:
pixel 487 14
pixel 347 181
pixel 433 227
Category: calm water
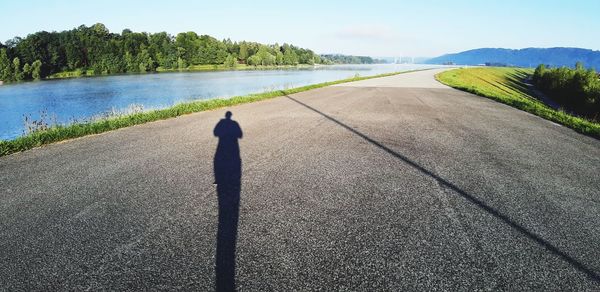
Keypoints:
pixel 82 98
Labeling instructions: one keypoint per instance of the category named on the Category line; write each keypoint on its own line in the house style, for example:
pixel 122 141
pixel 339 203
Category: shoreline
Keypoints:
pixel 60 133
pixel 191 69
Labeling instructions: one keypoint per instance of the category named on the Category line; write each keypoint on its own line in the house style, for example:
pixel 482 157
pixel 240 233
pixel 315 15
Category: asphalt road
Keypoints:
pixel 396 183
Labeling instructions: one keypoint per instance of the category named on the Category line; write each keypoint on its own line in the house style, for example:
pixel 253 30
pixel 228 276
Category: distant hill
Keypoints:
pixel 529 57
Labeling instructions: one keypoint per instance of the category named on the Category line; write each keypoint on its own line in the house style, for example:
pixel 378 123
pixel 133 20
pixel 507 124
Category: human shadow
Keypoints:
pixel 228 174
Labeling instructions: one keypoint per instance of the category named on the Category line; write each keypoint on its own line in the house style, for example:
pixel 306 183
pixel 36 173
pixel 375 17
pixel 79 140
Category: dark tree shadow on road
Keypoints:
pixel 228 174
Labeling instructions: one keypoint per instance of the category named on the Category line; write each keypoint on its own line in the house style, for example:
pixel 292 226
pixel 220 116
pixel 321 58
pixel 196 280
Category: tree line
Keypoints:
pixel 346 59
pixel 577 89
pixel 95 48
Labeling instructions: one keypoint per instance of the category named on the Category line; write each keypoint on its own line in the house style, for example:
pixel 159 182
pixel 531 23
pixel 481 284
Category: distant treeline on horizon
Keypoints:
pixel 348 59
pixel 95 48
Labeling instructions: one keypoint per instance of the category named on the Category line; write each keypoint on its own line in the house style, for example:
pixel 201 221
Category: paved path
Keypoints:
pixel 417 79
pixel 395 184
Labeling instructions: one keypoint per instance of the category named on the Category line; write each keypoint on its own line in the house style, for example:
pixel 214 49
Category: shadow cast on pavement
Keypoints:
pixel 470 198
pixel 228 176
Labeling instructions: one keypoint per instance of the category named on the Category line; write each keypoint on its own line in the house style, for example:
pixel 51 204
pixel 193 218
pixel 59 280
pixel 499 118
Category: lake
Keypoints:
pixel 67 100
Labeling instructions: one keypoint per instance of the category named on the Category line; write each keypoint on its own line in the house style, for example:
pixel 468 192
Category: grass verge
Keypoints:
pixel 506 86
pixel 65 132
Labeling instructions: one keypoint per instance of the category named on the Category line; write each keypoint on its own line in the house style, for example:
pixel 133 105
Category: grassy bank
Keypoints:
pixel 64 132
pixel 194 68
pixel 506 85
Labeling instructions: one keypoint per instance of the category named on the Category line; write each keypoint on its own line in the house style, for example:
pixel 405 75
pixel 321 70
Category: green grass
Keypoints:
pixel 506 85
pixel 64 132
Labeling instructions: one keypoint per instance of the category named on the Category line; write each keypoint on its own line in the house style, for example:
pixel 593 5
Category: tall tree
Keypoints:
pixel 290 57
pixel 26 71
pixel 36 70
pixel 5 66
pixel 230 61
pixel 17 73
pixel 243 55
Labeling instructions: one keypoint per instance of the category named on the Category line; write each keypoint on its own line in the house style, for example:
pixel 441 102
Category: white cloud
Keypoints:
pixel 374 39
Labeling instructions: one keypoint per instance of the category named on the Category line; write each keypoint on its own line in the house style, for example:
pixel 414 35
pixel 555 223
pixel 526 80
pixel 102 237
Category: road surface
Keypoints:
pixel 397 183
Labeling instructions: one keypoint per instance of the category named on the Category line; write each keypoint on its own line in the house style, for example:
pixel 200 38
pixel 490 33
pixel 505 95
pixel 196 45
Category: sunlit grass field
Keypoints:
pixel 506 85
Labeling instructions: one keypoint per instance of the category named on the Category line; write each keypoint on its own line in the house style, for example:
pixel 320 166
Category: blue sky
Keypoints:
pixel 375 28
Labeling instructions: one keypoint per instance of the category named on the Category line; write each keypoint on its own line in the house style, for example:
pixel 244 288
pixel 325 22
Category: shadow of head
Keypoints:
pixel 227 162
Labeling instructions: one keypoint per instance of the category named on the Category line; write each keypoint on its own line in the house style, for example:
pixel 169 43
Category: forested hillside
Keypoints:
pixel 95 49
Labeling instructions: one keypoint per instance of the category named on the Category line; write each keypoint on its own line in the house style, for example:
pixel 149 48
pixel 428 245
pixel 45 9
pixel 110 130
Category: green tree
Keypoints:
pixel 189 42
pixel 266 59
pixel 254 60
pixel 142 67
pixel 26 71
pixel 130 63
pixel 317 59
pixel 209 50
pixel 290 58
pixel 279 57
pixel 5 66
pixel 230 61
pixel 151 65
pixel 96 48
pixel 578 89
pixel 243 55
pixel 144 61
pixel 181 64
pixel 17 73
pixel 36 69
